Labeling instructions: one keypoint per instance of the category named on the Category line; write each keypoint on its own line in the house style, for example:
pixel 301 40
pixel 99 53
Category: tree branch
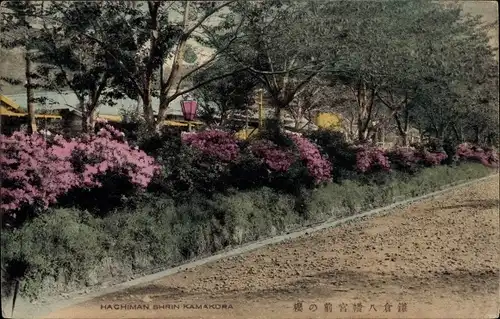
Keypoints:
pixel 177 94
pixel 104 45
pixel 205 17
pixel 212 58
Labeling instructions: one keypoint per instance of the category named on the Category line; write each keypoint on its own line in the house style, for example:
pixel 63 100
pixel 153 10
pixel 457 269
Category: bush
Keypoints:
pixel 278 159
pixel 411 160
pixel 405 159
pixel 142 237
pixel 195 162
pixel 220 145
pixel 371 159
pixel 249 172
pixel 218 161
pixel 432 159
pixel 107 153
pixel 33 172
pixel 59 250
pixel 450 147
pixel 67 249
pixel 36 172
pixel 109 170
pixel 191 171
pixel 318 167
pixel 340 153
pixel 435 145
pixel 327 138
pixel 354 196
pixel 474 153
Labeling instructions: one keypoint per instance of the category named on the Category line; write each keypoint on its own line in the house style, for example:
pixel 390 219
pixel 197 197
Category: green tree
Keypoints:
pixel 221 99
pixel 70 60
pixel 286 44
pixel 462 72
pixel 143 41
pixel 18 29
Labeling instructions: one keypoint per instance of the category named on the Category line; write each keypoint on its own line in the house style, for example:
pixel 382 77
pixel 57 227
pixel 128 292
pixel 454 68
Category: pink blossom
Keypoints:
pixel 467 151
pixel 318 166
pixel 216 143
pixel 34 170
pixel 369 158
pixel 277 159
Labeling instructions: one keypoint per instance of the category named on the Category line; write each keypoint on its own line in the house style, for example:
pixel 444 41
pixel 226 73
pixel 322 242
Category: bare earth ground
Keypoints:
pixel 436 259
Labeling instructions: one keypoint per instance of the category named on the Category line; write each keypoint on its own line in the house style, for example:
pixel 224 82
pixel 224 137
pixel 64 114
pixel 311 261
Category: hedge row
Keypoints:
pixel 82 211
pixel 102 172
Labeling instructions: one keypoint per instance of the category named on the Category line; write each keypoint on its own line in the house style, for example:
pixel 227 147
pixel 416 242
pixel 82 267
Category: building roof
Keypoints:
pixel 68 100
pixel 10 108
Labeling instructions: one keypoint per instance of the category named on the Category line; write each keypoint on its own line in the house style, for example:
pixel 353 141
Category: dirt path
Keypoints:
pixel 437 259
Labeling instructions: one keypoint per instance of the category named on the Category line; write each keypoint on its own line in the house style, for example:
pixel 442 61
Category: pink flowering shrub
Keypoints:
pixel 33 172
pixel 492 157
pixel 215 143
pixel 37 172
pixel 106 153
pixel 403 157
pixel 369 159
pixel 281 158
pixel 469 152
pixel 432 158
pixel 318 166
pixel 410 159
pixel 277 159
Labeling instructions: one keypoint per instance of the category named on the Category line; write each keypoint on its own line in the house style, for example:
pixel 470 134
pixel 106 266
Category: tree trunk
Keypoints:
pixel 223 115
pixel 30 95
pixel 88 120
pixel 298 117
pixel 147 108
pixel 277 116
pixel 404 139
pixel 296 124
pixel 138 107
pixel 477 135
pixel 457 132
pixel 403 127
pixel 365 105
pixel 441 131
pixel 167 85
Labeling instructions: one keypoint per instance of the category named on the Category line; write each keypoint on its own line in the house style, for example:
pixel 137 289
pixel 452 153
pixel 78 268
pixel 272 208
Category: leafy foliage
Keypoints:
pixel 226 97
pixel 70 249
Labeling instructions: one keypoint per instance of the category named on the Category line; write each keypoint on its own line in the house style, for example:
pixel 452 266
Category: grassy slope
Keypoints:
pixel 12 63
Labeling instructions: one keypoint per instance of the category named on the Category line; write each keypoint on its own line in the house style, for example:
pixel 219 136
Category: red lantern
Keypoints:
pixel 189 108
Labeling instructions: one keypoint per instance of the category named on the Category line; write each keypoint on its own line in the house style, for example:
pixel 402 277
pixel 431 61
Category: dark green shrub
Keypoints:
pixel 340 152
pixel 143 237
pixel 248 173
pixel 187 170
pixel 434 145
pixel 450 147
pixel 62 248
pixel 248 216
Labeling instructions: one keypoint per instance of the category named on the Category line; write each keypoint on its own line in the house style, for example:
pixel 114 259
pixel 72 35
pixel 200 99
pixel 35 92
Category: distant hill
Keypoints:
pixel 12 62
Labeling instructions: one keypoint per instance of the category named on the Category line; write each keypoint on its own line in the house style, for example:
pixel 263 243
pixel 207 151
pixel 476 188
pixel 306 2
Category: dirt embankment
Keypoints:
pixel 436 259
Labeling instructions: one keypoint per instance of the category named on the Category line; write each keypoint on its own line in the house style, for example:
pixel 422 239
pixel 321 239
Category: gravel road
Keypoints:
pixel 434 259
